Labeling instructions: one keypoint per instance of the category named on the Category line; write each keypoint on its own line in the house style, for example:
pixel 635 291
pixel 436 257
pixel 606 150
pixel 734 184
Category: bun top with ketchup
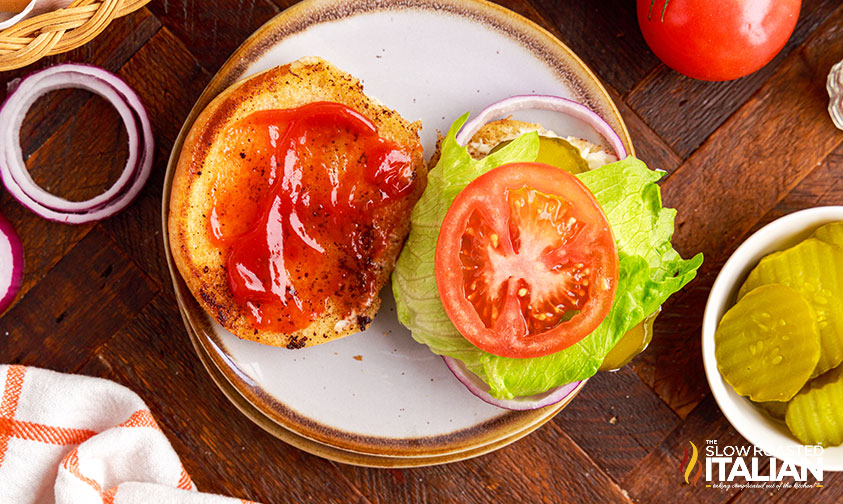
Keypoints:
pixel 290 203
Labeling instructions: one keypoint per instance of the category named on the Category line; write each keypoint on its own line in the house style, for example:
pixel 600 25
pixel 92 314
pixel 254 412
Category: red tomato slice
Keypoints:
pixel 526 263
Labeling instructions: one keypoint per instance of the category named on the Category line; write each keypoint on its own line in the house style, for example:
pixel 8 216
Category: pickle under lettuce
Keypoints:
pixel 631 344
pixel 831 233
pixel 556 152
pixel 768 344
pixel 814 415
pixel 815 269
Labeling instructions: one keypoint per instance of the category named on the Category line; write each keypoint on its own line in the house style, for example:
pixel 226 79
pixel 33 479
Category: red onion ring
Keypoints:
pixel 11 263
pixel 507 106
pixel 13 170
pixel 481 389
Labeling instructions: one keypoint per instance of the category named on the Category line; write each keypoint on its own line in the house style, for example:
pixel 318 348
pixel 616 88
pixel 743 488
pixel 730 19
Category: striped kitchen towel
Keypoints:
pixel 73 439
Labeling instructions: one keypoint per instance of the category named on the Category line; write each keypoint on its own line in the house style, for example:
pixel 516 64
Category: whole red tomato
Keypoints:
pixel 717 40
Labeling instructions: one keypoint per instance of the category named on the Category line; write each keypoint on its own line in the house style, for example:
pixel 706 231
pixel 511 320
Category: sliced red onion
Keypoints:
pixel 481 389
pixel 11 263
pixel 13 170
pixel 508 106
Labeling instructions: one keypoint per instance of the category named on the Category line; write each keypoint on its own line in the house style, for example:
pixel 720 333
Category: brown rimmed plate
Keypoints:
pixel 349 457
pixel 379 398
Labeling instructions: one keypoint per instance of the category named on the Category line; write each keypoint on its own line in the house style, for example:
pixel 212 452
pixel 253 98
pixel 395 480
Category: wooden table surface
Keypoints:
pixel 97 299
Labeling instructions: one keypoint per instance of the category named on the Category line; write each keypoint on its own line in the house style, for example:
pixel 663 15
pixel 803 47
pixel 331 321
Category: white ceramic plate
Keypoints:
pixel 378 392
pixel 757 427
pixel 331 452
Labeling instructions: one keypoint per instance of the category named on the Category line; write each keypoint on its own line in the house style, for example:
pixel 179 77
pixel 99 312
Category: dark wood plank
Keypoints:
pixel 762 147
pixel 606 36
pixel 649 147
pixel 686 111
pixel 617 420
pixel 825 47
pixel 44 242
pixel 168 79
pixel 657 478
pixel 85 155
pixel 222 450
pixel 547 466
pixel 620 440
pixel 830 493
pixel 213 30
pixel 88 296
pixel 822 187
pixel 672 365
pixel 765 149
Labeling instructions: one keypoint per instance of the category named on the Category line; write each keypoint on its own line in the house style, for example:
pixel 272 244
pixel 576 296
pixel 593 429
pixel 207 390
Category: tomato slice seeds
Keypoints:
pixel 526 264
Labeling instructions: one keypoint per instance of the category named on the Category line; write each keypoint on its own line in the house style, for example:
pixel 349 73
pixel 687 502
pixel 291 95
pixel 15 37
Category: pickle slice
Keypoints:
pixel 556 152
pixel 631 344
pixel 831 233
pixel 775 409
pixel 814 415
pixel 815 269
pixel 768 344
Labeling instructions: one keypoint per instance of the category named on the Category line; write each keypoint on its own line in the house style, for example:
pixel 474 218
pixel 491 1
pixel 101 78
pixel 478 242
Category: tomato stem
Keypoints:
pixel 664 9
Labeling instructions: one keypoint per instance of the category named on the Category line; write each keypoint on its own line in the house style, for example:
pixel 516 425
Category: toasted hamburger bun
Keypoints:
pixel 202 264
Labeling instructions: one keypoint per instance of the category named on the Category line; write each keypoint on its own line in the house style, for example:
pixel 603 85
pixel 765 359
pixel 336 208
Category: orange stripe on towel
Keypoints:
pixel 185 483
pixel 71 463
pixel 141 418
pixel 11 394
pixel 43 433
pixel 144 418
pixel 9 403
pixel 109 495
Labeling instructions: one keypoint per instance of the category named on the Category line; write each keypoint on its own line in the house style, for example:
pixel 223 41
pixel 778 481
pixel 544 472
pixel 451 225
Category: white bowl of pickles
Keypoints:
pixel 772 338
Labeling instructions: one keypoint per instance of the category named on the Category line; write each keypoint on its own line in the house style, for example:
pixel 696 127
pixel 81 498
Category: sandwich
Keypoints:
pixel 290 203
pixel 531 256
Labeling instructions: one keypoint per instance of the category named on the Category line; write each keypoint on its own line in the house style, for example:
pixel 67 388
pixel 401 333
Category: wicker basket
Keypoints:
pixel 60 30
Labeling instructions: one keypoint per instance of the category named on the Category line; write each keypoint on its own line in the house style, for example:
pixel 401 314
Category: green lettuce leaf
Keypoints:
pixel 650 269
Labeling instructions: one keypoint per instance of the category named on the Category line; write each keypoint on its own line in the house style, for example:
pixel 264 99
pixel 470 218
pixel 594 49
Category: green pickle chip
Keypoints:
pixel 831 233
pixel 556 152
pixel 768 344
pixel 815 269
pixel 814 415
pixel 631 344
pixel 775 409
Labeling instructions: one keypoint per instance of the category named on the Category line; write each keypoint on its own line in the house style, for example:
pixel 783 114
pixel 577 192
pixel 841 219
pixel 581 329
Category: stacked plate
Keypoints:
pixel 378 398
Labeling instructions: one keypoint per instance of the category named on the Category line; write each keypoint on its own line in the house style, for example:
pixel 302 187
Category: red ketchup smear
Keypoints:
pixel 303 207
